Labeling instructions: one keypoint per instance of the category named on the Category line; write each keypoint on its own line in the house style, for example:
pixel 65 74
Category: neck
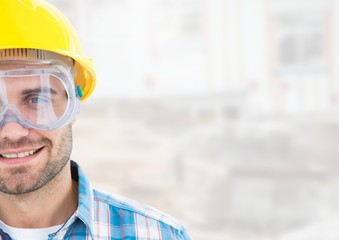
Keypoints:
pixel 48 206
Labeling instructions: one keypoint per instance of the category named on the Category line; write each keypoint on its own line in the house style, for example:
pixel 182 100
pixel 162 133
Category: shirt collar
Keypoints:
pixel 85 210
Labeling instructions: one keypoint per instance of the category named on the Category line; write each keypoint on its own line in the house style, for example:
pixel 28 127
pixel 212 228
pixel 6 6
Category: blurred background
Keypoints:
pixel 222 113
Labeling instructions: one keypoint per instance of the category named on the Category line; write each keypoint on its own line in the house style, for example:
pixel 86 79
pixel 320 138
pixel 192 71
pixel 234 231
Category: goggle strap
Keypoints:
pixel 78 91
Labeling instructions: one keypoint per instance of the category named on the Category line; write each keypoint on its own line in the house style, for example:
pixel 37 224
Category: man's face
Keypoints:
pixel 29 158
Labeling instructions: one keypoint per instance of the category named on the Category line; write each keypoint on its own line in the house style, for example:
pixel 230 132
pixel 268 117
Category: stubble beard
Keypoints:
pixel 20 180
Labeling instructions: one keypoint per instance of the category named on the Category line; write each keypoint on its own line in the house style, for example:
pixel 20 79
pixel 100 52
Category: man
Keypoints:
pixel 44 195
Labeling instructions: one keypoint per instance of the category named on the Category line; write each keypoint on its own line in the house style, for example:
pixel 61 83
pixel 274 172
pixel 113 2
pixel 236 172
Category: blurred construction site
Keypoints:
pixel 222 113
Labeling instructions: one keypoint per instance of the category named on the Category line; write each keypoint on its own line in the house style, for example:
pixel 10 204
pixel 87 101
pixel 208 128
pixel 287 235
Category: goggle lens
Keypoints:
pixel 39 99
pixel 43 99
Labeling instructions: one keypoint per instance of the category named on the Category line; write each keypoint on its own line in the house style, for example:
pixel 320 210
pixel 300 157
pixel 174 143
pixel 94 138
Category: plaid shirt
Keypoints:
pixel 101 216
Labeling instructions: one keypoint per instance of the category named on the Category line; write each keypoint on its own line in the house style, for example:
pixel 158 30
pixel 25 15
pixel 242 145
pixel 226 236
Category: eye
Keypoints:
pixel 39 100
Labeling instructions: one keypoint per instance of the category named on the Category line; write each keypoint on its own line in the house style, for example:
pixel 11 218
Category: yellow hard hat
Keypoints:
pixel 36 24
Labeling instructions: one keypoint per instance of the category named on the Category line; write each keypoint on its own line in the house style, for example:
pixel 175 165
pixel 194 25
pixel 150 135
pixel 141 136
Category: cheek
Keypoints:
pixel 58 136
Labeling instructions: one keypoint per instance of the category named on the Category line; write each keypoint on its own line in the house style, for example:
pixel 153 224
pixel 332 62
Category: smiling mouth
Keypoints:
pixel 19 155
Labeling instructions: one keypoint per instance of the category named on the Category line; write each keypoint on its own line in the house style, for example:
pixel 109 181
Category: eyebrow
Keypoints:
pixel 39 90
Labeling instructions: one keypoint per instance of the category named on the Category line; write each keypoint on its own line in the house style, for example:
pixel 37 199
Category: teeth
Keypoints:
pixel 19 155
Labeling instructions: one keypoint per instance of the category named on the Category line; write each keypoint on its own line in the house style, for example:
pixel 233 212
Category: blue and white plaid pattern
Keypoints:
pixel 101 216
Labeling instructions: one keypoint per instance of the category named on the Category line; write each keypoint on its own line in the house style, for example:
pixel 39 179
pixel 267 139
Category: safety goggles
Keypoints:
pixel 37 94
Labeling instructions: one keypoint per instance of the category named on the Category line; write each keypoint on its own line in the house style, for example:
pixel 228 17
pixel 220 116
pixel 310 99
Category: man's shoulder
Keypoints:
pixel 129 212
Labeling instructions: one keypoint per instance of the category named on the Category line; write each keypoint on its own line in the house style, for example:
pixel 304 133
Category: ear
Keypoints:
pixel 74 121
pixel 76 116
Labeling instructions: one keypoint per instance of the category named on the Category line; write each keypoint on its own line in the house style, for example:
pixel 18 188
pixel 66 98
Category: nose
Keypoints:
pixel 10 127
pixel 13 131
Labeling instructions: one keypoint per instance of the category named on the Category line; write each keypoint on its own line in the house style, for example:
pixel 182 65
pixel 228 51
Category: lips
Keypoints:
pixel 19 154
